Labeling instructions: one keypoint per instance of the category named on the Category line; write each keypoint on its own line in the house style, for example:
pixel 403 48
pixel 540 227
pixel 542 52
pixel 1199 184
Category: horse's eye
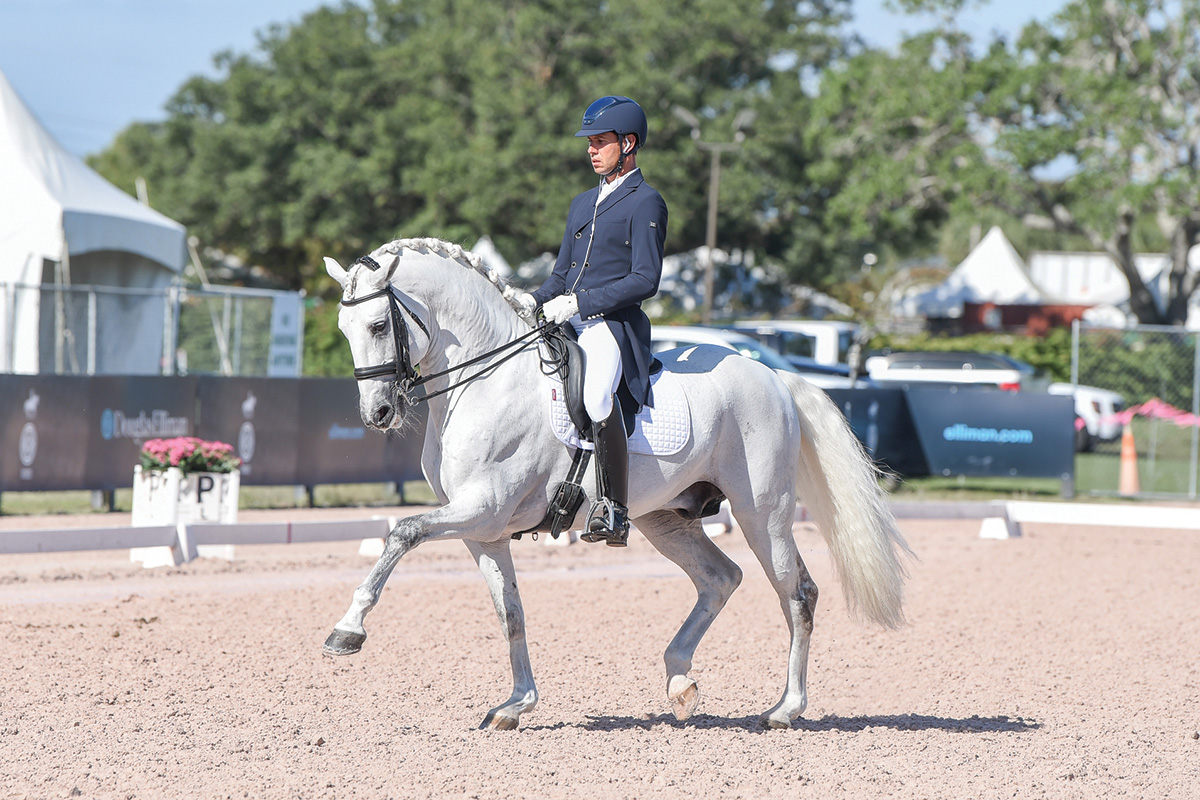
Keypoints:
pixel 377 328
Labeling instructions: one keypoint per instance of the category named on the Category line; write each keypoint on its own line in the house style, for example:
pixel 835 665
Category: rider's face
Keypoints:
pixel 604 150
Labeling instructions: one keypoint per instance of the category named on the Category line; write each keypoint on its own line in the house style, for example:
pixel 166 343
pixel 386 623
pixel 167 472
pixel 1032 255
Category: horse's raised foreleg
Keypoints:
pixel 349 633
pixel 496 565
pixel 715 577
pixel 769 534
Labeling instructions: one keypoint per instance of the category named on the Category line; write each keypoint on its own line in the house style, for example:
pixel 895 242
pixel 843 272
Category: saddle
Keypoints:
pixel 565 359
pixel 571 364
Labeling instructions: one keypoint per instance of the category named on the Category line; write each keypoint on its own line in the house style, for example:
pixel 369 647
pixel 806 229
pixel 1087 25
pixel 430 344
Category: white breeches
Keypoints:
pixel 602 371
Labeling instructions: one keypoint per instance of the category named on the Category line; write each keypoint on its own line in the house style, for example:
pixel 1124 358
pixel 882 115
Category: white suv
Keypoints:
pixel 1098 409
pixel 670 337
pixel 824 341
pixel 957 367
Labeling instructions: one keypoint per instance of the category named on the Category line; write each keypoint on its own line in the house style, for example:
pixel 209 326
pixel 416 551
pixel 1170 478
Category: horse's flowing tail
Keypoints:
pixel 838 484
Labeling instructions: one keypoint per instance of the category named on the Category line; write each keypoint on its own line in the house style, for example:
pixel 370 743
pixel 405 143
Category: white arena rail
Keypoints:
pixel 44 540
pixel 162 545
pixel 175 544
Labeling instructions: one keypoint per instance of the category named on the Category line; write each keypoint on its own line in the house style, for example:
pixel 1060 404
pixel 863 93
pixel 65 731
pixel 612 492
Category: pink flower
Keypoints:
pixel 189 454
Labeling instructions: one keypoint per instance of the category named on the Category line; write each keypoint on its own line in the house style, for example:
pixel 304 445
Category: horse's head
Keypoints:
pixel 387 337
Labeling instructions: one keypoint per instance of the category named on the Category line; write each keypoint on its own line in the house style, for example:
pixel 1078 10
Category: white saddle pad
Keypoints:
pixel 659 431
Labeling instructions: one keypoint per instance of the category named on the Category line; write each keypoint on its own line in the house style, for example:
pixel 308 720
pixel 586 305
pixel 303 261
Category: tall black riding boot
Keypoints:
pixel 609 518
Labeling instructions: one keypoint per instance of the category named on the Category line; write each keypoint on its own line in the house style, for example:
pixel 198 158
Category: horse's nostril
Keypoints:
pixel 383 415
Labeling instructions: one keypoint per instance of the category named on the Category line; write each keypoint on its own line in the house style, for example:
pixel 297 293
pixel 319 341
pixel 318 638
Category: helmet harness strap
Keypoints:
pixel 621 158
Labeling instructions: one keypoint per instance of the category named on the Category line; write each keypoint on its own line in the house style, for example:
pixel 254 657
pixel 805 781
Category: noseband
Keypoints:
pixel 401 368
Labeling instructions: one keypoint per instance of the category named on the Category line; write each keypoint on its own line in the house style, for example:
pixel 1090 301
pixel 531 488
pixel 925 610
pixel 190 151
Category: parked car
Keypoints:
pixel 825 342
pixel 671 337
pixel 1094 406
pixel 988 370
pixel 1098 409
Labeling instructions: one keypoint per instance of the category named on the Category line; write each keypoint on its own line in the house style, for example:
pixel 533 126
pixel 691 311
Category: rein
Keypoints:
pixel 407 376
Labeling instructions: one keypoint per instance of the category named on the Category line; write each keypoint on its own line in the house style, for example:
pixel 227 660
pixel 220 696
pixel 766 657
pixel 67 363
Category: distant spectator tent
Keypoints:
pixel 63 227
pixel 993 289
pixel 992 272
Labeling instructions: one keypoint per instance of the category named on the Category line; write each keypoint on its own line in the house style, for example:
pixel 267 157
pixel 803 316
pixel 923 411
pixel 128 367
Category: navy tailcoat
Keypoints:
pixel 622 269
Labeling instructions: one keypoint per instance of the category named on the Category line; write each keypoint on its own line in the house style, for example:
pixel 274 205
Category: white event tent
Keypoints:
pixel 993 272
pixel 62 224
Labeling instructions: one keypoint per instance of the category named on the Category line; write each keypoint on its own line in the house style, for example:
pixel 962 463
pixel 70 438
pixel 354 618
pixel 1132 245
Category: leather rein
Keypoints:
pixel 407 376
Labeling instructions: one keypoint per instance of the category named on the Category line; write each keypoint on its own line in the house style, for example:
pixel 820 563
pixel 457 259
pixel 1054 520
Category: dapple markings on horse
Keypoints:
pixel 760 438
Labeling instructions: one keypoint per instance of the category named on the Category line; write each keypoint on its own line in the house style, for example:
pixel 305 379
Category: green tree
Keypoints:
pixel 887 133
pixel 1092 122
pixel 453 118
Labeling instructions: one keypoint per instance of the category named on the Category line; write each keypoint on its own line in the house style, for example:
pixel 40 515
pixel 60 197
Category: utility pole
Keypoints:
pixel 743 119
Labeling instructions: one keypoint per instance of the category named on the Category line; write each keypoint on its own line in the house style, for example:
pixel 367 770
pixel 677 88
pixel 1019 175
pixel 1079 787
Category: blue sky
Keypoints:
pixel 89 68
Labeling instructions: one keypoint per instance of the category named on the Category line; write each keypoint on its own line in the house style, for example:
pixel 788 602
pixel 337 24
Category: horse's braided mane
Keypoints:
pixel 461 255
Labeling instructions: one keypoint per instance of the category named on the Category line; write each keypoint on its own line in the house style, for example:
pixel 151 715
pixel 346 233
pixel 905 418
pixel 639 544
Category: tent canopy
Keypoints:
pixel 55 210
pixel 993 272
pixel 51 202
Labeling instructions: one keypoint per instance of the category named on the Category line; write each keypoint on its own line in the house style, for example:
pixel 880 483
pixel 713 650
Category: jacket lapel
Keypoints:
pixel 624 190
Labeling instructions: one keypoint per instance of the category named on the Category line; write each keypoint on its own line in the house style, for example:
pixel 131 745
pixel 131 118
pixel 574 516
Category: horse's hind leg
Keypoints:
pixel 769 533
pixel 496 565
pixel 715 577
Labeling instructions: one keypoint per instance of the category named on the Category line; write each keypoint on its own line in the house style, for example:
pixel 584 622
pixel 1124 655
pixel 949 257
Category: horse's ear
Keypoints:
pixel 379 278
pixel 336 272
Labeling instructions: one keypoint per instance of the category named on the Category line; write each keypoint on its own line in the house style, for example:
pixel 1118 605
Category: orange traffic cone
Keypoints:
pixel 1128 483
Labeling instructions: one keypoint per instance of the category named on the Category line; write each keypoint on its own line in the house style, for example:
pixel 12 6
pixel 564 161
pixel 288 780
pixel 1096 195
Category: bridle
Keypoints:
pixel 407 376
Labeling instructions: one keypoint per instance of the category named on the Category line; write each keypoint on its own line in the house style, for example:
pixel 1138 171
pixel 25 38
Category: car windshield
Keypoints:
pixel 752 349
pixel 744 345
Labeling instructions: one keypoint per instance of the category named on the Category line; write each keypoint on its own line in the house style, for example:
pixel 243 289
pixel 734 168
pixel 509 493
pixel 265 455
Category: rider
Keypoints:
pixel 609 262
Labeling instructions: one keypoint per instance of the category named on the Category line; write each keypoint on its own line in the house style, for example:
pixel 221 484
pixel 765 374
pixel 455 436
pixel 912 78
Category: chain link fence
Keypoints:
pixel 174 330
pixel 1156 370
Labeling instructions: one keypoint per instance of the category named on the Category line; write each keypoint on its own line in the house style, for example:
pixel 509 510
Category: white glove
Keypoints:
pixel 561 308
pixel 527 302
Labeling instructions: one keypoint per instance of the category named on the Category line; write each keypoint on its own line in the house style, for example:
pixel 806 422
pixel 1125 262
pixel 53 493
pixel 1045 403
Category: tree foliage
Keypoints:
pixel 1093 122
pixel 887 131
pixel 454 118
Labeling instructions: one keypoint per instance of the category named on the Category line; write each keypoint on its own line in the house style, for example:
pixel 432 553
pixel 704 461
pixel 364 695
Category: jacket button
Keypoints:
pixel 626 242
pixel 572 265
pixel 578 234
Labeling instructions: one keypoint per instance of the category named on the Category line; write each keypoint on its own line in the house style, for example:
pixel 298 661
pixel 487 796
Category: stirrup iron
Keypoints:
pixel 608 522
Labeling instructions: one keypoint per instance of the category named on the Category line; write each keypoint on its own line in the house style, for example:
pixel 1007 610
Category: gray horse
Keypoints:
pixel 762 439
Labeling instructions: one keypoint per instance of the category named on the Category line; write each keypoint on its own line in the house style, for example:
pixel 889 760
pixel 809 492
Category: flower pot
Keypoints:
pixel 169 497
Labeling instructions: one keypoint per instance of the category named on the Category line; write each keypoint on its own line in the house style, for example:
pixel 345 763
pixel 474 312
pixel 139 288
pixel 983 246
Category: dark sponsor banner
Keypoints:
pixel 335 447
pixel 121 413
pixel 80 432
pixel 881 420
pixel 977 432
pixel 43 432
pixel 260 417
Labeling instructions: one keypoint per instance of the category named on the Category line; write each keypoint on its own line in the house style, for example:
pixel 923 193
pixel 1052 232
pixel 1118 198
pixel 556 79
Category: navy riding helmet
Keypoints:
pixel 617 114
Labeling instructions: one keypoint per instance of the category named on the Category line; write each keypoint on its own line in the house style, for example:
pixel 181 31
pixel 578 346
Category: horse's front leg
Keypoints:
pixel 496 565
pixel 449 521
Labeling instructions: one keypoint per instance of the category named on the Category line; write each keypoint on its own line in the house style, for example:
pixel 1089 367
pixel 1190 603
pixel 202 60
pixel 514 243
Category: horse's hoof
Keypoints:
pixel 499 722
pixel 341 643
pixel 684 695
pixel 774 724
